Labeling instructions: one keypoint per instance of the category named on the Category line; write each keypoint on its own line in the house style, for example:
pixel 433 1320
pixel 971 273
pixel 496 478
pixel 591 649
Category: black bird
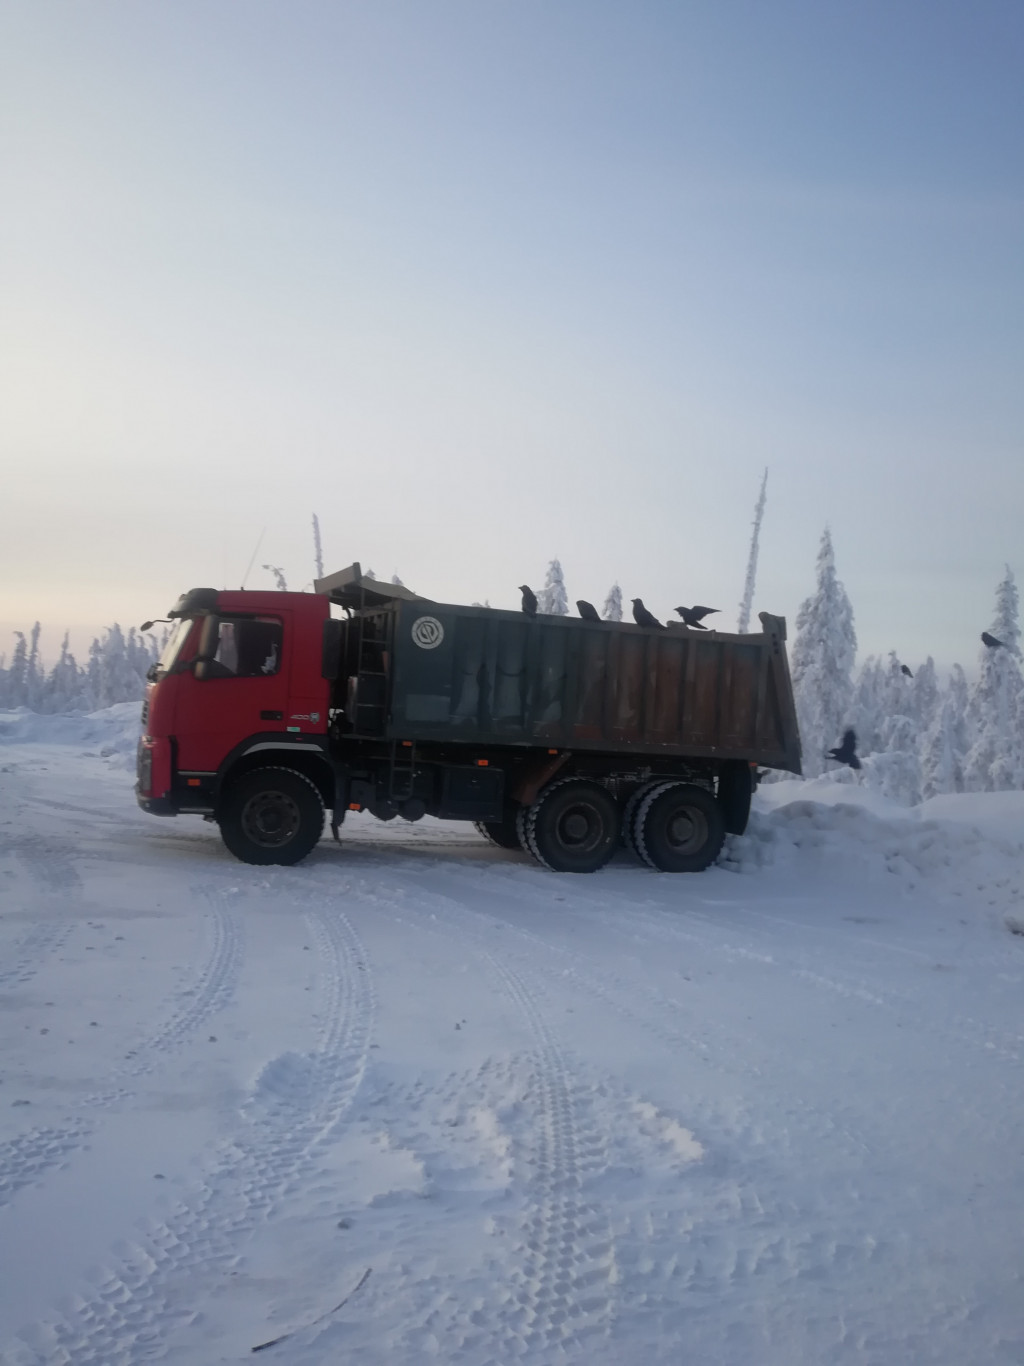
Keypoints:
pixel 846 753
pixel 587 610
pixel 905 670
pixel 693 616
pixel 529 600
pixel 644 618
pixel 991 641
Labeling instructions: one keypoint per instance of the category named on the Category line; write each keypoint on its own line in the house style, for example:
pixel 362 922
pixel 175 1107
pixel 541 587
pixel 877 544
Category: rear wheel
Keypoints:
pixel 735 789
pixel 503 833
pixel 632 809
pixel 679 829
pixel 271 815
pixel 572 827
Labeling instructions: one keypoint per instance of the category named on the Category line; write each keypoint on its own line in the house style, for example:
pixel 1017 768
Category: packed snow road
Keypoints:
pixel 420 1100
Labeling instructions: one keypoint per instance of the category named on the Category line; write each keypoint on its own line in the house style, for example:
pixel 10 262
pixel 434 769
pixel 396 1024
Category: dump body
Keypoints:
pixel 439 672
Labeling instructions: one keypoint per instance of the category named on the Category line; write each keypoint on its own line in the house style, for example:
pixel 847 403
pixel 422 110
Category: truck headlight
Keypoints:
pixel 144 767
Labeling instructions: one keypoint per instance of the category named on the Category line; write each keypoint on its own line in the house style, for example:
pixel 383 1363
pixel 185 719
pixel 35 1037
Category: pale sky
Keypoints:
pixel 486 283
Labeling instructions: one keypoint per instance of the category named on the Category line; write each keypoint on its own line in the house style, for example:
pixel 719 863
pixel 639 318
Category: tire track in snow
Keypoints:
pixel 634 999
pixel 739 1238
pixel 27 1158
pixel 153 1290
pixel 560 1293
pixel 563 1292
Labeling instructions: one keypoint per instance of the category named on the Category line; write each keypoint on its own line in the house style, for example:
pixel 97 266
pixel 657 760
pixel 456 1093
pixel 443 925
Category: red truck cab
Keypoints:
pixel 240 675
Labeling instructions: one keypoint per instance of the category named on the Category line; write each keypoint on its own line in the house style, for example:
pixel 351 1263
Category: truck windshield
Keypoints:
pixel 170 652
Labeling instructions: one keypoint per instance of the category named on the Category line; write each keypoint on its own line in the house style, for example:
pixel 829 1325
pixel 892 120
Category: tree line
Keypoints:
pixel 114 672
pixel 918 736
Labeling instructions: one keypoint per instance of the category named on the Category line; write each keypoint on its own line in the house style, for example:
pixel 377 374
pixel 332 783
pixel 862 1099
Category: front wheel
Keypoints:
pixel 679 829
pixel 271 815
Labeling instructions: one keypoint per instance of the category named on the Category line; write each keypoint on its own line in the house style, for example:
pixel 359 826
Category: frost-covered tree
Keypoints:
pixel 821 661
pixel 743 624
pixel 612 609
pixel 16 690
pixel 959 696
pixel 395 579
pixel 924 693
pixel 279 577
pixel 552 600
pixel 941 756
pixel 318 554
pixel 995 759
pixel 866 710
pixel 62 691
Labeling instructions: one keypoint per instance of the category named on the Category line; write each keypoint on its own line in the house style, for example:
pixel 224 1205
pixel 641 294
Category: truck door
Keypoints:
pixel 243 689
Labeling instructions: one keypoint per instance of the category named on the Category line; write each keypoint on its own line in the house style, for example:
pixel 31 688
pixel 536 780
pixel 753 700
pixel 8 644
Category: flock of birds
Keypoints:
pixel 845 753
pixel 692 616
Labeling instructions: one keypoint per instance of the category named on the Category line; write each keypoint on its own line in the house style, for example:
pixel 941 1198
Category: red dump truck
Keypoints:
pixel 558 736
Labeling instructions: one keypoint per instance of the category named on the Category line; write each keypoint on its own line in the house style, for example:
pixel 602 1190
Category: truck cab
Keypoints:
pixel 239 677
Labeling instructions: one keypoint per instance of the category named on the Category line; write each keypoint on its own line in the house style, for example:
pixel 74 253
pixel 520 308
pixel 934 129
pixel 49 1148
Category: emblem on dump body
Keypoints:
pixel 427 633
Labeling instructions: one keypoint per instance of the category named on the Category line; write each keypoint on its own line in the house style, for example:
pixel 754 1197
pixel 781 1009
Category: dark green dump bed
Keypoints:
pixel 447 673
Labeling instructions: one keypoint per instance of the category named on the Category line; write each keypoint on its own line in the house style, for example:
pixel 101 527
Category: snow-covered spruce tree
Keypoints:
pixel 941 757
pixel 866 710
pixel 113 674
pixel 821 661
pixel 743 624
pixel 994 759
pixel 960 695
pixel 552 600
pixel 62 691
pixel 16 691
pixel 279 578
pixel 896 770
pixel 612 609
pixel 925 699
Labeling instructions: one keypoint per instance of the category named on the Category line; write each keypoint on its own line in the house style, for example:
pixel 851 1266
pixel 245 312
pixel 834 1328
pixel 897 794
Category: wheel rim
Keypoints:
pixel 271 819
pixel 686 830
pixel 578 829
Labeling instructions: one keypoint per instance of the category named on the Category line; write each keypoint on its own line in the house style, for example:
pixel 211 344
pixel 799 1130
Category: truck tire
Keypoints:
pixel 572 827
pixel 632 808
pixel 271 815
pixel 735 789
pixel 680 829
pixel 503 833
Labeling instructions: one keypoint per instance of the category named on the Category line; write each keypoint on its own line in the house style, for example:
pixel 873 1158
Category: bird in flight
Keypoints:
pixel 644 618
pixel 905 670
pixel 693 616
pixel 529 600
pixel 587 610
pixel 992 642
pixel 846 753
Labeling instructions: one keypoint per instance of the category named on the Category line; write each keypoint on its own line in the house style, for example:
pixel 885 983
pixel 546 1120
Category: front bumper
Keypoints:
pixel 156 806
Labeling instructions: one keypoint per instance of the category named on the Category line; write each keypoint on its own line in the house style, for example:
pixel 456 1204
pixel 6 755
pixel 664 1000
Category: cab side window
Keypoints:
pixel 248 647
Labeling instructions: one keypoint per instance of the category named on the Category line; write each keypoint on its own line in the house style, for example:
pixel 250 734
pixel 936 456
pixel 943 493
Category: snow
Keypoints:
pixel 420 1100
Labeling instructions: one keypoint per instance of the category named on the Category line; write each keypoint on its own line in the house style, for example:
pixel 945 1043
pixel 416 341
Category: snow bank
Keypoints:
pixel 970 845
pixel 112 733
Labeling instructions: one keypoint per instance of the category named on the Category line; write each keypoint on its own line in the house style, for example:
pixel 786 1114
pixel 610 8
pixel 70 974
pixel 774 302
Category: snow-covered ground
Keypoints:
pixel 419 1100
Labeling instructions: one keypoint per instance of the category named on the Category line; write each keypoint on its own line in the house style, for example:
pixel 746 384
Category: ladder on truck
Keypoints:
pixel 370 703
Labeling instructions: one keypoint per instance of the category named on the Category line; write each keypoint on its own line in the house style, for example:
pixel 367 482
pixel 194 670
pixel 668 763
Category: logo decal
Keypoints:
pixel 427 633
